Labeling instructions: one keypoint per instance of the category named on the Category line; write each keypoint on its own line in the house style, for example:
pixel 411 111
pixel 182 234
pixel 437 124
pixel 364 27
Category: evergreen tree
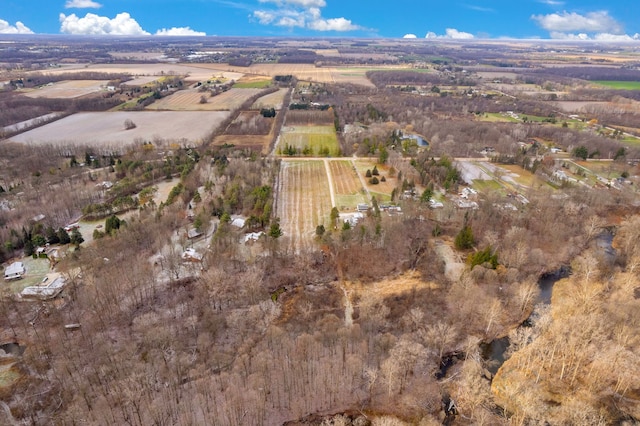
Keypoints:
pixel 63 236
pixel 464 240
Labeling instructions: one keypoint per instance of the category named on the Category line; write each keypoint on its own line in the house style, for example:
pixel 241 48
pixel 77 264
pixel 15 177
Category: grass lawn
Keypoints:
pixel 496 117
pixel 631 140
pixel 36 271
pixel 381 197
pixel 620 85
pixel 350 201
pixel 487 185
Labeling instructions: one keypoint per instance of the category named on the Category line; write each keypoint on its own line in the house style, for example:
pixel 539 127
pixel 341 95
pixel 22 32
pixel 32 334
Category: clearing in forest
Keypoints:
pixel 303 202
pixel 308 141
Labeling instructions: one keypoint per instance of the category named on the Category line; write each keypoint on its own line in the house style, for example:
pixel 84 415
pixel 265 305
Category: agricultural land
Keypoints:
pixel 266 231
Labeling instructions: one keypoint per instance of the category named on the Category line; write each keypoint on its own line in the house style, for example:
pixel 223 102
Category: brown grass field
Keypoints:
pixel 106 129
pixel 309 72
pixel 67 89
pixel 303 202
pixel 189 100
pixel 272 100
pixel 383 189
pixel 254 142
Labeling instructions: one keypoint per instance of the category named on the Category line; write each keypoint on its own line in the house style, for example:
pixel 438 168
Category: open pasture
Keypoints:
pixel 106 129
pixel 272 100
pixel 310 140
pixel 189 100
pixel 303 202
pixel 67 89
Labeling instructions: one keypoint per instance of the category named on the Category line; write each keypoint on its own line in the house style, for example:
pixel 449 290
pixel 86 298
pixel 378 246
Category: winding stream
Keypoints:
pixel 494 352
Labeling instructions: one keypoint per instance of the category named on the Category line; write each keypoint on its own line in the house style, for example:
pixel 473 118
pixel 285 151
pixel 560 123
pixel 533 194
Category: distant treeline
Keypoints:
pixel 385 78
pixel 14 109
pixel 590 73
pixel 37 79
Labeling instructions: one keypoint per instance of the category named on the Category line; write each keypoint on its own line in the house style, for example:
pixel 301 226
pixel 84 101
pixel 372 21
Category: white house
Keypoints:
pixel 14 271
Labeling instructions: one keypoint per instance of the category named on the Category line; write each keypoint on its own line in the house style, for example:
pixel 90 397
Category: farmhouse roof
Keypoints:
pixel 14 268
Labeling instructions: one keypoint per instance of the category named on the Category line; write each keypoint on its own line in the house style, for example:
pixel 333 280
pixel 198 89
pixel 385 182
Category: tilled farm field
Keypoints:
pixel 303 202
pixel 105 130
pixel 189 100
pixel 67 89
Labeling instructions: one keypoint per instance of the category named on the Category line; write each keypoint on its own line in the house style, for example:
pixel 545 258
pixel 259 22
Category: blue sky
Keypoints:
pixel 569 19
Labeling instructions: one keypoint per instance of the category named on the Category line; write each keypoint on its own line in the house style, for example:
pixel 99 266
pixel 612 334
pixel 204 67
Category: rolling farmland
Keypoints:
pixel 189 100
pixel 303 202
pixel 67 89
pixel 106 129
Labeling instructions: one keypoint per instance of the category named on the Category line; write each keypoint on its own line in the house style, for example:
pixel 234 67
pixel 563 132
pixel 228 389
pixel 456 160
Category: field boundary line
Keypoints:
pixel 330 179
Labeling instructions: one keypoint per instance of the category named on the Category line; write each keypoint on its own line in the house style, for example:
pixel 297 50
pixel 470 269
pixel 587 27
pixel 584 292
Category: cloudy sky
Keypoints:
pixel 569 19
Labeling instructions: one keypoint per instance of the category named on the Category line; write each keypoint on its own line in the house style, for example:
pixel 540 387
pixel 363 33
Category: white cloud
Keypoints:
pixel 410 36
pixel 451 33
pixel 82 4
pixel 181 31
pixel 552 2
pixel 298 3
pixel 18 28
pixel 564 22
pixel 265 18
pixel 604 37
pixel 91 24
pixel 333 24
pixel 302 14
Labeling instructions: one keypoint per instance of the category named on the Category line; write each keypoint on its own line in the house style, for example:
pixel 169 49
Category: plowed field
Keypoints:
pixel 189 100
pixel 303 202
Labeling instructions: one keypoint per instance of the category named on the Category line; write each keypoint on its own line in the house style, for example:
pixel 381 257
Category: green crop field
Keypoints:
pixel 310 140
pixel 260 84
pixel 620 85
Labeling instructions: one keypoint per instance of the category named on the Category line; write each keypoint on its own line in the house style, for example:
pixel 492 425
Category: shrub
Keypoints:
pixel 129 124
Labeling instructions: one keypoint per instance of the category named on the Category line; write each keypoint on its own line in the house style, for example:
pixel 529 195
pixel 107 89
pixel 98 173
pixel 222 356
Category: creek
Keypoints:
pixel 494 352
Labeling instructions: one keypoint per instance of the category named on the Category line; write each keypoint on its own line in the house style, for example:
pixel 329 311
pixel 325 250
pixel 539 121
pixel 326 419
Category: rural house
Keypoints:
pixel 15 271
